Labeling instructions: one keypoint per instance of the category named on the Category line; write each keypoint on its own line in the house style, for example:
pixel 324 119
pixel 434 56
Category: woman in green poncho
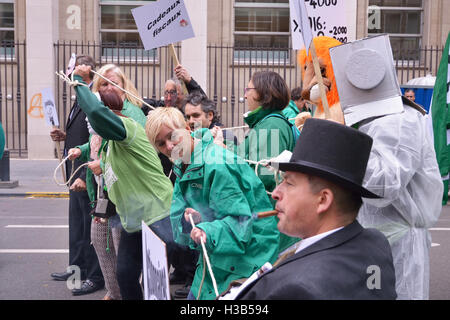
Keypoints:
pixel 223 194
pixel 271 133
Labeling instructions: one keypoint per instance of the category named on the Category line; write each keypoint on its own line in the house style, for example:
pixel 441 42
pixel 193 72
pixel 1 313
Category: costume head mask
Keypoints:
pixel 322 44
pixel 366 79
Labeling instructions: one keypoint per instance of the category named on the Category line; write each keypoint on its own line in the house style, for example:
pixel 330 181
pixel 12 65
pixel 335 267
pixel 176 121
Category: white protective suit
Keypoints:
pixel 402 168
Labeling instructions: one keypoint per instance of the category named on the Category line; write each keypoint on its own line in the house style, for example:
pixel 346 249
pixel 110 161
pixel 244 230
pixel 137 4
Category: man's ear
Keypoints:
pixel 210 115
pixel 325 200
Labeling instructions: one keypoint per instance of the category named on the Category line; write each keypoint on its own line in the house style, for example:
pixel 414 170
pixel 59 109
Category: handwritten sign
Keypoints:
pixel 326 18
pixel 48 103
pixel 163 22
pixel 155 269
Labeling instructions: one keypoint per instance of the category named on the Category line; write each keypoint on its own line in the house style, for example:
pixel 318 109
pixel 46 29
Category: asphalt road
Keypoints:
pixel 29 224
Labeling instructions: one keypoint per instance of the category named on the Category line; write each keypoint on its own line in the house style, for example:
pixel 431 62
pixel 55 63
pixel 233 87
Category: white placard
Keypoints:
pixel 48 104
pixel 155 269
pixel 163 22
pixel 326 18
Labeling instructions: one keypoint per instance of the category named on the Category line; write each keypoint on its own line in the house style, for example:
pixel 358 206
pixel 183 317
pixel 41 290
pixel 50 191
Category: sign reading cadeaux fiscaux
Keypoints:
pixel 326 18
pixel 163 22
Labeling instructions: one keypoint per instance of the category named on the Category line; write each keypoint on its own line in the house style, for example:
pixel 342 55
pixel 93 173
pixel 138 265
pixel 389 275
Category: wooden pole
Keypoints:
pixel 58 150
pixel 173 53
pixel 318 73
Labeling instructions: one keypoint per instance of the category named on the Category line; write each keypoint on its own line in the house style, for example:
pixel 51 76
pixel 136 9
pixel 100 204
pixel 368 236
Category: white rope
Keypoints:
pixel 72 82
pixel 300 127
pixel 124 90
pixel 72 174
pixel 205 255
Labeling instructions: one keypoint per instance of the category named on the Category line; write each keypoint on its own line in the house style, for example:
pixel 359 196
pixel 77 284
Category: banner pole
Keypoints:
pixel 323 93
pixel 173 53
pixel 58 150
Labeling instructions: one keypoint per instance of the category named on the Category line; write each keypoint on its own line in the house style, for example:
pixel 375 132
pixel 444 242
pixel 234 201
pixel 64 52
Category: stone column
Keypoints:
pixel 194 53
pixel 41 33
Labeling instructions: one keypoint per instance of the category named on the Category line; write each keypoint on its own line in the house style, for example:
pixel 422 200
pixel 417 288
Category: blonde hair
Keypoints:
pixel 169 116
pixel 127 84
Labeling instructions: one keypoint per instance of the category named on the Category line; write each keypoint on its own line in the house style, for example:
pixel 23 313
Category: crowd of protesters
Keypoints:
pixel 171 162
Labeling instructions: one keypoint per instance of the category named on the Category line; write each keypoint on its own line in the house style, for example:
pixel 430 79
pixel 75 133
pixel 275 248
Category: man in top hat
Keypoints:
pixel 318 201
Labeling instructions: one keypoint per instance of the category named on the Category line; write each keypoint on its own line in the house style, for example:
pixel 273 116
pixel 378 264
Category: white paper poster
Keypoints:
pixel 48 103
pixel 326 18
pixel 163 22
pixel 155 269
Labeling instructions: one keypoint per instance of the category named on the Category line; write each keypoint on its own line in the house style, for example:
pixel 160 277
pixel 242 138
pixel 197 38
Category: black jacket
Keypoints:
pixel 77 133
pixel 191 87
pixel 339 266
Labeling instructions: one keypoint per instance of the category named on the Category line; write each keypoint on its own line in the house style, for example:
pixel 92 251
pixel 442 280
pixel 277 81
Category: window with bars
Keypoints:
pixel 6 27
pixel 261 30
pixel 402 20
pixel 118 31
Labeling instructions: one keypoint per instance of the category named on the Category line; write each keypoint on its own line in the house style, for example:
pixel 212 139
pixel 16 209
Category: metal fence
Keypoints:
pixel 228 71
pixel 13 97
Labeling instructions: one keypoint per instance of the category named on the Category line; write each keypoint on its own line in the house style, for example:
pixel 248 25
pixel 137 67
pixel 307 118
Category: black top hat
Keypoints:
pixel 333 152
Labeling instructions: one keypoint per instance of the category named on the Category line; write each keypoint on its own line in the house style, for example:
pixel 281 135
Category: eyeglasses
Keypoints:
pixel 248 89
pixel 171 92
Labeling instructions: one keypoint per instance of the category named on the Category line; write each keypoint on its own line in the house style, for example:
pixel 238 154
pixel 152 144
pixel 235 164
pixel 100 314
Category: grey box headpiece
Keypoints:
pixel 366 79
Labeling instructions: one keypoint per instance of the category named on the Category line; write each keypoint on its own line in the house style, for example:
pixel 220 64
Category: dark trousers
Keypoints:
pixel 81 252
pixel 185 262
pixel 129 258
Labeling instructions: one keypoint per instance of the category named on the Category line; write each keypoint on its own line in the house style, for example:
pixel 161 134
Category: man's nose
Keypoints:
pixel 276 194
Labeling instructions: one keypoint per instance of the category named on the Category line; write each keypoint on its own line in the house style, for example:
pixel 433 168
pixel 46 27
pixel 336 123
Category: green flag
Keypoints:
pixel 441 117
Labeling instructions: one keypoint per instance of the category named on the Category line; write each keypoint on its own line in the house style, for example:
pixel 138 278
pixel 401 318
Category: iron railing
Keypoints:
pixel 13 97
pixel 228 71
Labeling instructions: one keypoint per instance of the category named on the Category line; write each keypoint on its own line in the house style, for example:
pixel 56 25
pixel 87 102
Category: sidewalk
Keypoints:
pixel 35 179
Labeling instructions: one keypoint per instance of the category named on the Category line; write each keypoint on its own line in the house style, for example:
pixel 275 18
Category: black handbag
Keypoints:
pixel 104 208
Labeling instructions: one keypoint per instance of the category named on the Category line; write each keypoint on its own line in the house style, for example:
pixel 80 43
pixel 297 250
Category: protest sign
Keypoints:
pixel 48 103
pixel 155 269
pixel 163 22
pixel 326 18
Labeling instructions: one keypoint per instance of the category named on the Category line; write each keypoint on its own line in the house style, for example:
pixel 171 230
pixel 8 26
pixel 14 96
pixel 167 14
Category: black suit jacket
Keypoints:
pixel 77 133
pixel 340 266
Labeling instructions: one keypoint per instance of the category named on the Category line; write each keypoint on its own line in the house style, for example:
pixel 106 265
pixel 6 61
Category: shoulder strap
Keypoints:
pixel 295 131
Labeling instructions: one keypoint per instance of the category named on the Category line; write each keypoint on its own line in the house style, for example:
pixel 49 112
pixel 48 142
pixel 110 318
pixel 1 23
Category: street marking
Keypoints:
pixel 36 226
pixel 435 244
pixel 34 250
pixel 439 229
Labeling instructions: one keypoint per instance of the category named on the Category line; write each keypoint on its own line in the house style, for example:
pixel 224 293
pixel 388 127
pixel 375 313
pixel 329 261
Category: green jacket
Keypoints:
pixel 267 138
pixel 133 173
pixel 85 157
pixel 291 111
pixel 129 110
pixel 227 193
pixel 258 145
pixel 2 141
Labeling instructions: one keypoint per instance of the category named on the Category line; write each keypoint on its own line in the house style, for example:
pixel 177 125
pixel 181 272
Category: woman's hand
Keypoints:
pixel 198 235
pixel 196 216
pixel 217 134
pixel 95 167
pixel 74 153
pixel 82 71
